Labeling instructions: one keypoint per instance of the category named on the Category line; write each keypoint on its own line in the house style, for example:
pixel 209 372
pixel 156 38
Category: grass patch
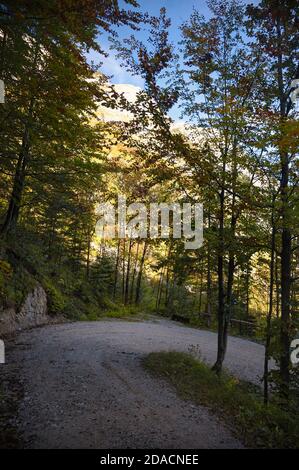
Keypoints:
pixel 125 312
pixel 239 404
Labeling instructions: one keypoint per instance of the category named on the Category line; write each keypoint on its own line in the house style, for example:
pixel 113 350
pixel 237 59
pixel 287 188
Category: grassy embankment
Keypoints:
pixel 239 404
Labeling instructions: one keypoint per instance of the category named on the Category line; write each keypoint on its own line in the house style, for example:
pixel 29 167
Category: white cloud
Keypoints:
pixel 112 67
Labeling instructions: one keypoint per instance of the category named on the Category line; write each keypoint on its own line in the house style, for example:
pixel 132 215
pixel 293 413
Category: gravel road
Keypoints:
pixel 84 386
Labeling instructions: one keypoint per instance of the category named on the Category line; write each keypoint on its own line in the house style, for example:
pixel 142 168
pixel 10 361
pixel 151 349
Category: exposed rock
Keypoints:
pixel 32 313
pixel 7 321
pixel 34 309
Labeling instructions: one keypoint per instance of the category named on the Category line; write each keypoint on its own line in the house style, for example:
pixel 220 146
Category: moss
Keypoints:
pixel 15 284
pixel 57 301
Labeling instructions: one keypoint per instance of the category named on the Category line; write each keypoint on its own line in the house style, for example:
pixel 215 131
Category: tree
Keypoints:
pixel 274 26
pixel 217 86
pixel 51 94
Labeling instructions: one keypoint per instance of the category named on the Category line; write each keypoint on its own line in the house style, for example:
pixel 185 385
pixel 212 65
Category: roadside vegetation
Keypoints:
pixel 237 403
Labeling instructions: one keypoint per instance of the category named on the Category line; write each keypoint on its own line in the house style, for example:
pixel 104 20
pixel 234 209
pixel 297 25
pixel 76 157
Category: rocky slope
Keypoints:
pixel 32 313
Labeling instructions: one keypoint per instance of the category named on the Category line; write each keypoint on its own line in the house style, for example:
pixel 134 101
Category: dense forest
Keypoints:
pixel 233 76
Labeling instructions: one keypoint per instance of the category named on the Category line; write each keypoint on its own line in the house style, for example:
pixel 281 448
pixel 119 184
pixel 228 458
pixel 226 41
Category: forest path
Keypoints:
pixel 84 386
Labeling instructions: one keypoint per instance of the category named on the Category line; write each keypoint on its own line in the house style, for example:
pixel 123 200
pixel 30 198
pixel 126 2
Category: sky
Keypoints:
pixel 177 10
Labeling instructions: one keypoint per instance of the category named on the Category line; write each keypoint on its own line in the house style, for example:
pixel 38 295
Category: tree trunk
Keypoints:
pixel 209 286
pixel 286 253
pixel 231 260
pixel 200 287
pixel 123 269
pixel 229 296
pixel 160 288
pixel 116 270
pixel 221 295
pixel 247 289
pixel 139 277
pixel 277 286
pixel 167 277
pixel 286 238
pixel 269 316
pixel 128 273
pixel 134 272
pixel 89 237
pixel 225 299
pixel 13 210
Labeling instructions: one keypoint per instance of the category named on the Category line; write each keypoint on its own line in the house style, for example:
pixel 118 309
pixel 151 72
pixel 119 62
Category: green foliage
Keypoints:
pixel 5 276
pixel 70 294
pixel 15 283
pixel 239 403
pixel 102 275
pixel 56 300
pixel 122 311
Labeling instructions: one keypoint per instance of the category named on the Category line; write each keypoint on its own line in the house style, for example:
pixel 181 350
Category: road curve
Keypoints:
pixel 84 386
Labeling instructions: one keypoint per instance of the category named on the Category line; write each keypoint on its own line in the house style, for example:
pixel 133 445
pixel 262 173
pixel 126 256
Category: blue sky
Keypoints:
pixel 177 10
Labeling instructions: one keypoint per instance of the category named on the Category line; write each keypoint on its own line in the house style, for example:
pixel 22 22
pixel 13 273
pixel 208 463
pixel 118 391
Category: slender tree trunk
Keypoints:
pixel 166 287
pixel 159 291
pixel 13 210
pixel 286 238
pixel 269 316
pixel 225 299
pixel 89 237
pixel 127 286
pixel 277 286
pixel 116 270
pixel 286 253
pixel 231 260
pixel 229 297
pixel 123 270
pixel 139 277
pixel 134 272
pixel 200 287
pixel 247 289
pixel 209 281
pixel 167 277
pixel 221 294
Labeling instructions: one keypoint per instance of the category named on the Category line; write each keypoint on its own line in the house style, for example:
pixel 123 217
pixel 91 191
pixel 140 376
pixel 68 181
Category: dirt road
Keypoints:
pixel 84 386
